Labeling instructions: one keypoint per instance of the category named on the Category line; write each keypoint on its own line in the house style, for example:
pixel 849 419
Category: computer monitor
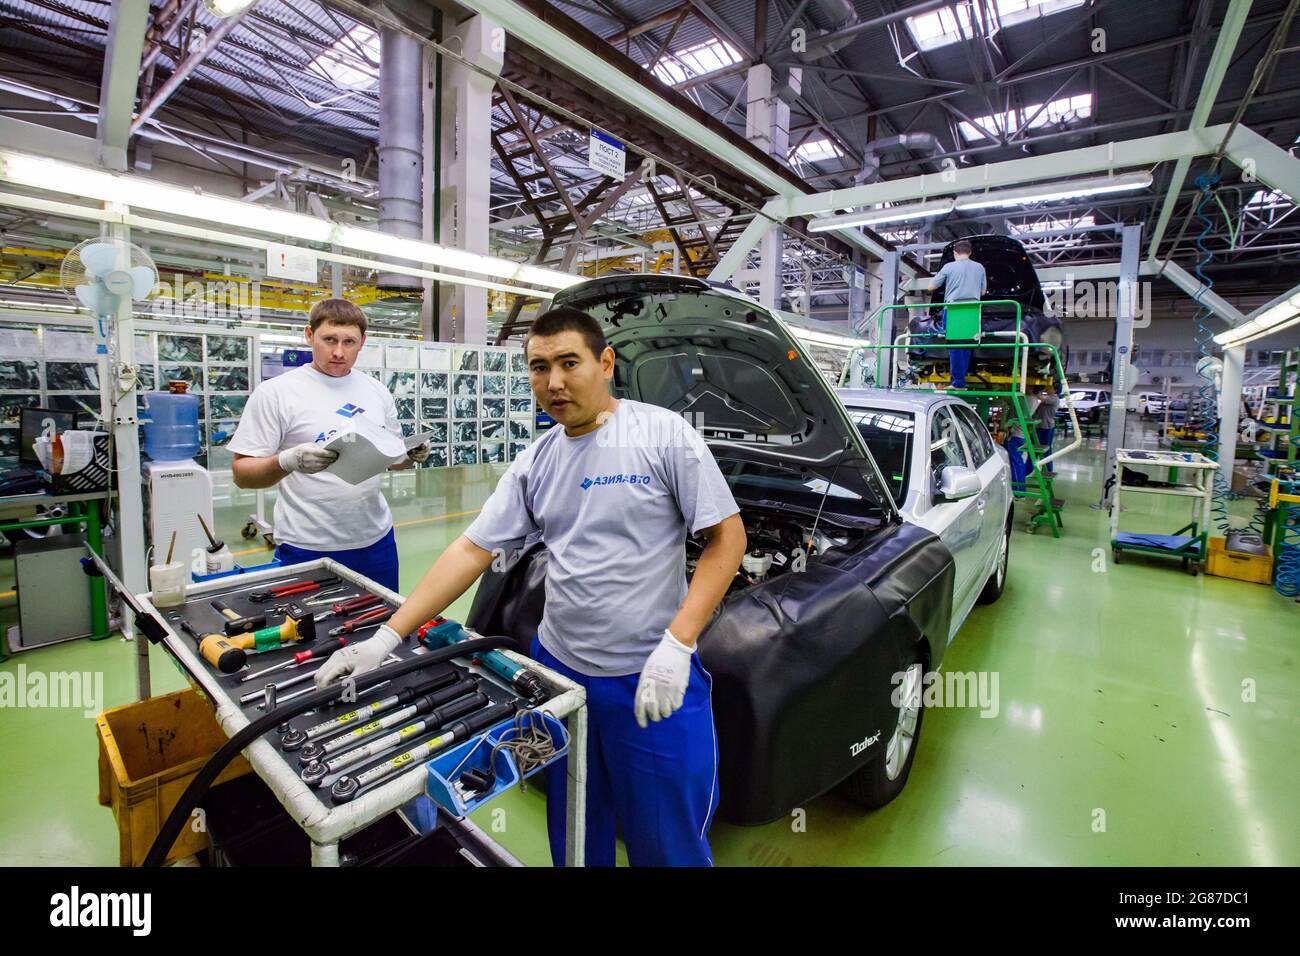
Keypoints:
pixel 37 422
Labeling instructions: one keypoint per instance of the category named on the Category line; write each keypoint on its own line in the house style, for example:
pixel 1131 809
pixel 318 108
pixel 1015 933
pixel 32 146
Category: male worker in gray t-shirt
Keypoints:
pixel 963 280
pixel 614 492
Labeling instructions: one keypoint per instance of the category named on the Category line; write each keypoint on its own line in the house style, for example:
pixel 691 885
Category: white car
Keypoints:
pixel 1089 402
pixel 1148 403
pixel 955 481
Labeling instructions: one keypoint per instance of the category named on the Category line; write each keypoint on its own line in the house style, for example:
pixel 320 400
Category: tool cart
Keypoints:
pixel 1188 543
pixel 408 737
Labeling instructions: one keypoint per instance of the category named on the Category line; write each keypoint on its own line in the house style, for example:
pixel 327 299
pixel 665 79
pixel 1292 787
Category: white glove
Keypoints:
pixel 357 659
pixel 419 453
pixel 309 458
pixel 662 687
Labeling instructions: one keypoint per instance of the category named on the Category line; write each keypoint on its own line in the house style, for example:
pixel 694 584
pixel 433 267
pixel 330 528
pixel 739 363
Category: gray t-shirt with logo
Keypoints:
pixel 963 280
pixel 614 507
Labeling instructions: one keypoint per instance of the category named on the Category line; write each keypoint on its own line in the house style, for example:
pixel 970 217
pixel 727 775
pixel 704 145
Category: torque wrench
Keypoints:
pixel 318 770
pixel 296 738
pixel 421 705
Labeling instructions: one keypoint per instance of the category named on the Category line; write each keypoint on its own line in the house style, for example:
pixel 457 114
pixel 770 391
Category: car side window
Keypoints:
pixel 945 446
pixel 977 436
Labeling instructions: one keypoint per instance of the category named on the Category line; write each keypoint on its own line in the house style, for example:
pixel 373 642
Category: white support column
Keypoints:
pixel 130 495
pixel 1234 362
pixel 466 164
pixel 1122 370
pixel 887 271
pixel 767 126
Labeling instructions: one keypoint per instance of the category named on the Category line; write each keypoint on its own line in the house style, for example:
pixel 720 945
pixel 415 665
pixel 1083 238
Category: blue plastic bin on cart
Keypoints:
pixel 445 769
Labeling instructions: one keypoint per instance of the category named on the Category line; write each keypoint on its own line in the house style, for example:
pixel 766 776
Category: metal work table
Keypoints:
pixel 83 509
pixel 327 825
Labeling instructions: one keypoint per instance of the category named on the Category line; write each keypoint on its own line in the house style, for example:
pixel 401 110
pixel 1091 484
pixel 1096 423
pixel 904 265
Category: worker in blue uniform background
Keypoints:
pixel 614 492
pixel 962 280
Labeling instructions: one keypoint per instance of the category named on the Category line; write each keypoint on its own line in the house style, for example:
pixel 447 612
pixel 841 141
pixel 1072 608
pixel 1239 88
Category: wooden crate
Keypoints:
pixel 149 752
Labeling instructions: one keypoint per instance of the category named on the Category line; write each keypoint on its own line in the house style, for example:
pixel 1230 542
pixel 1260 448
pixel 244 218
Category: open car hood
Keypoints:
pixel 1010 273
pixel 733 369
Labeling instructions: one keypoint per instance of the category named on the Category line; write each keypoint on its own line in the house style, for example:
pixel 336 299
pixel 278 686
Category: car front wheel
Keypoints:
pixel 998 576
pixel 880 781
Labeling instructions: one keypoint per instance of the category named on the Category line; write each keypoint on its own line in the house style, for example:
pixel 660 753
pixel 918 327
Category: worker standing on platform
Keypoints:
pixel 963 280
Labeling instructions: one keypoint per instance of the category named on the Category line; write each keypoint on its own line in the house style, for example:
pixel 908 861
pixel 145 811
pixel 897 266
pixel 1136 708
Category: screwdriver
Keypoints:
pixel 318 650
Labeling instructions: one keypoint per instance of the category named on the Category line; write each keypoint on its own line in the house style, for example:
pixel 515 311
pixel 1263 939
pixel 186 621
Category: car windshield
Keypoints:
pixel 793 487
pixel 889 436
pixel 1082 396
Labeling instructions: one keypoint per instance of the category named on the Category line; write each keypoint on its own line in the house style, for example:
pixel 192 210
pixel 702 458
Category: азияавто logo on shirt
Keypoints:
pixel 615 480
pixel 349 410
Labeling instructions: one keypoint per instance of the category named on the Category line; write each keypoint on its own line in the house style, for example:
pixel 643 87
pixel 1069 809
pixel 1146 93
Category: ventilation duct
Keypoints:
pixel 829 16
pixel 401 162
pixel 872 152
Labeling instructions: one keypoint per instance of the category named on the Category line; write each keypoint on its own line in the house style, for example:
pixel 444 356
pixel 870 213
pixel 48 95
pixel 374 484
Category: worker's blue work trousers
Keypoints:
pixel 958 366
pixel 658 785
pixel 1045 438
pixel 1019 467
pixel 378 562
pixel 958 360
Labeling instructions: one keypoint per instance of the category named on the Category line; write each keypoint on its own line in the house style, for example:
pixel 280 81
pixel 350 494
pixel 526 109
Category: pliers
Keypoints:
pixel 371 618
pixel 358 603
pixel 286 590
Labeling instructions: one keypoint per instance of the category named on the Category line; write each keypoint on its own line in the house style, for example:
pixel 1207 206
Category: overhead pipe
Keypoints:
pixel 401 146
pixel 832 17
pixel 871 153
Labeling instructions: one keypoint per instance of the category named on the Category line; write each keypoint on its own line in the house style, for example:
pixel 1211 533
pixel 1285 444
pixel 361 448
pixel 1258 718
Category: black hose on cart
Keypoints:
pixel 171 828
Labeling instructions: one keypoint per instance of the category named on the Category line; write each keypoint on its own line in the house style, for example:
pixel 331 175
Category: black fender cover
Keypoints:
pixel 802 664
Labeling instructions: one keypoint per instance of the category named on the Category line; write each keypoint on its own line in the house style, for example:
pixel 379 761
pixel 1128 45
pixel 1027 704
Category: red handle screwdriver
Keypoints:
pixel 319 650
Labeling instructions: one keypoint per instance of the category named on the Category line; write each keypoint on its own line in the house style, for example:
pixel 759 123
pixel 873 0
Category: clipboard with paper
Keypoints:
pixel 366 450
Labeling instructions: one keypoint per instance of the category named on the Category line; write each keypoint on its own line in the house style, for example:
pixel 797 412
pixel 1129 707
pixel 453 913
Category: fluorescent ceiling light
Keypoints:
pixel 40 173
pixel 866 217
pixel 828 339
pixel 1050 192
pixel 1282 313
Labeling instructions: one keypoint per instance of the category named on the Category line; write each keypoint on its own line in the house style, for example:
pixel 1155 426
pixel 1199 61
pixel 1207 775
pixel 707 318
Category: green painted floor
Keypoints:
pixel 1127 733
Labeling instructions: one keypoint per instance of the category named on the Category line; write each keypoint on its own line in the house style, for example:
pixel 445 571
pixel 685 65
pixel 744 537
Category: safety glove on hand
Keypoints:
pixel 360 658
pixel 308 458
pixel 662 687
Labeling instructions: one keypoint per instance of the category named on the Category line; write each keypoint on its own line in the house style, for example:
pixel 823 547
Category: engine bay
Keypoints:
pixel 778 544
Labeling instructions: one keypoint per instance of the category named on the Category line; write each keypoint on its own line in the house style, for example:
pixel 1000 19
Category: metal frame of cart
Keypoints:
pixel 1192 549
pixel 328 825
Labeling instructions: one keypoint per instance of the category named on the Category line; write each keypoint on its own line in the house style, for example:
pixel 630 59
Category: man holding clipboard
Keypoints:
pixel 280 442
